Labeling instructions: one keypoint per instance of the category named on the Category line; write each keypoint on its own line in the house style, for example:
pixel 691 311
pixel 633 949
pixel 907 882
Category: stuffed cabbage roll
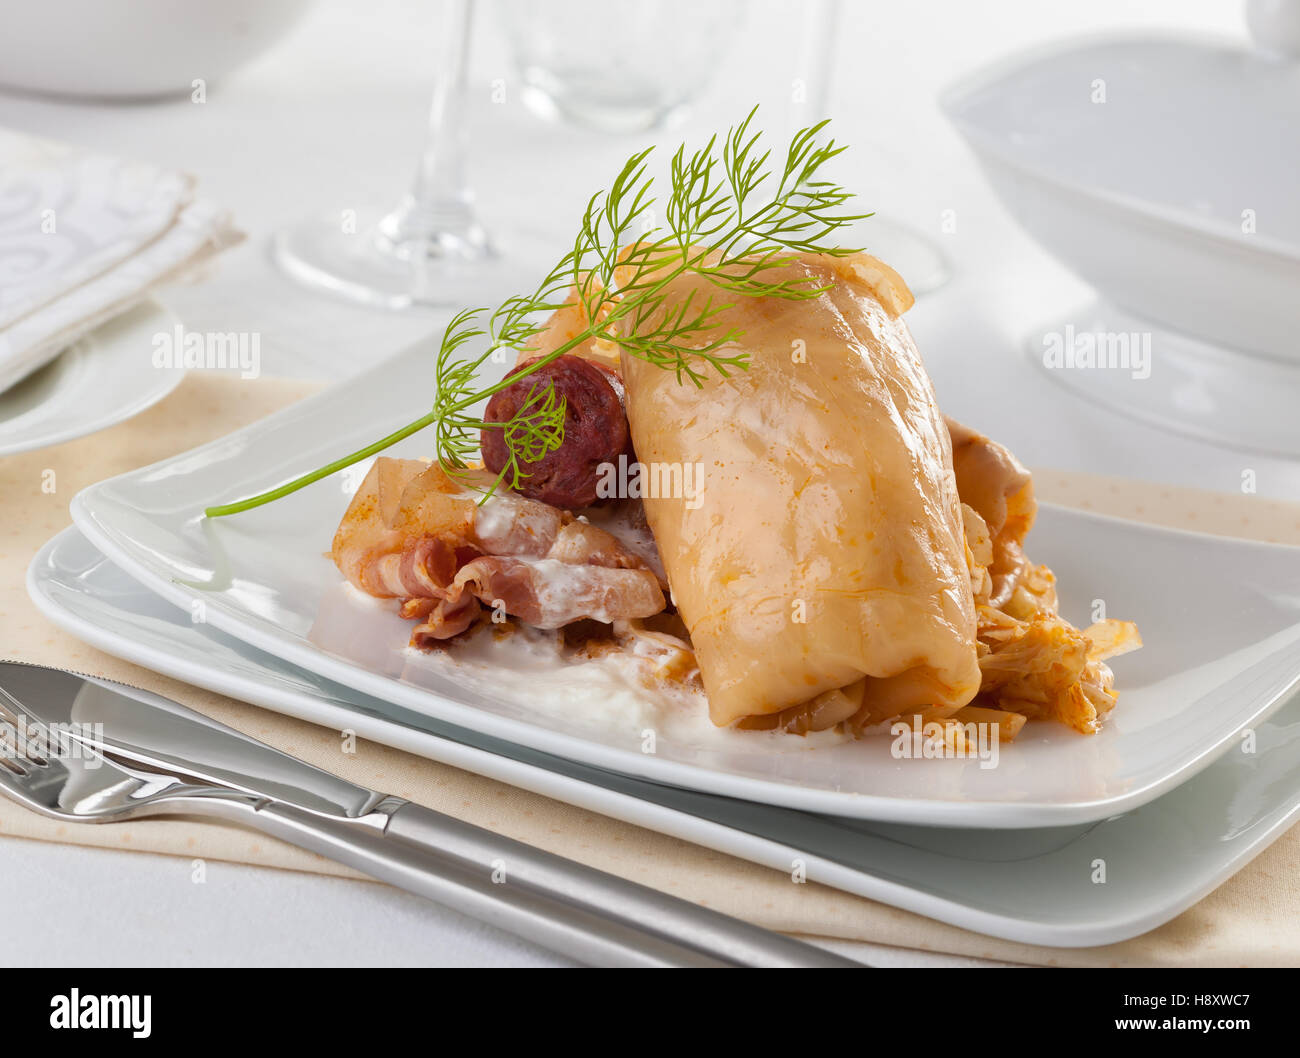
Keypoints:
pixel 821 566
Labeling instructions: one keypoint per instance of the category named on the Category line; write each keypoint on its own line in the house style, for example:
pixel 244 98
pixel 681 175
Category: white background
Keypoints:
pixel 332 119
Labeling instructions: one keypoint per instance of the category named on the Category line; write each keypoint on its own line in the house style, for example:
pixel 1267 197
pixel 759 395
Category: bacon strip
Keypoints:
pixel 411 533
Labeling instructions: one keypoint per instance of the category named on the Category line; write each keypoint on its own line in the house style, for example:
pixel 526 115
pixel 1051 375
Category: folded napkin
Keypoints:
pixel 83 238
pixel 1253 919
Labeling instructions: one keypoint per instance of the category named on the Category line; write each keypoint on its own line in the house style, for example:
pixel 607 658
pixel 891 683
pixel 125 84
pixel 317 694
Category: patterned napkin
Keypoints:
pixel 83 238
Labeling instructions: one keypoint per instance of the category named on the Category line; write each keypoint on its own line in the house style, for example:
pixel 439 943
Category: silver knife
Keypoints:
pixel 84 749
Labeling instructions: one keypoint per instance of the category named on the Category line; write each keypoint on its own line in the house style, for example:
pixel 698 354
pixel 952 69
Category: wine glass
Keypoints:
pixel 430 249
pixel 918 260
pixel 617 66
pixel 578 63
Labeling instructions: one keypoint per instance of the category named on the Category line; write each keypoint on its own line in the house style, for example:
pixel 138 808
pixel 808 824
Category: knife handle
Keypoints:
pixel 596 918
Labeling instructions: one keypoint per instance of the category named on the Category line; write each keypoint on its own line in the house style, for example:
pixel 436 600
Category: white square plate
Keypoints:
pixel 1220 618
pixel 1035 886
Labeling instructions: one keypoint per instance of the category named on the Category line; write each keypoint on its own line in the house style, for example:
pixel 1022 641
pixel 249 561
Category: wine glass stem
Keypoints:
pixel 820 55
pixel 439 207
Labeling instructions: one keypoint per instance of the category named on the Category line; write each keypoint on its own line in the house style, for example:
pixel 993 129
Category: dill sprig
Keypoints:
pixel 731 218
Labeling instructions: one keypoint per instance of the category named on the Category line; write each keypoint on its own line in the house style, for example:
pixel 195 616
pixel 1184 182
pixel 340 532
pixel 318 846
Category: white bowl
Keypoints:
pixel 1176 196
pixel 134 48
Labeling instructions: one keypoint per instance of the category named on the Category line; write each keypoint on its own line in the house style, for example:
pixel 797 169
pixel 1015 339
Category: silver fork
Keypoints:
pixel 72 774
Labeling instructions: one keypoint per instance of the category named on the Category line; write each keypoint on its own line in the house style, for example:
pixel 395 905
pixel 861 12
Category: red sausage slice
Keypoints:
pixel 595 431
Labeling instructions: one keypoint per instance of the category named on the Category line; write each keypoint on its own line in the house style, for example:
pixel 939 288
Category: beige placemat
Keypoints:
pixel 1253 919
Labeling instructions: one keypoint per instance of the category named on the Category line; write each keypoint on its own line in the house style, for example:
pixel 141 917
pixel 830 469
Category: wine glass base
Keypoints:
pixel 366 268
pixel 919 261
pixel 586 109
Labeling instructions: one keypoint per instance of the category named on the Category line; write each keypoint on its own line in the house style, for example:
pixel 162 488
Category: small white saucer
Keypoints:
pixel 100 380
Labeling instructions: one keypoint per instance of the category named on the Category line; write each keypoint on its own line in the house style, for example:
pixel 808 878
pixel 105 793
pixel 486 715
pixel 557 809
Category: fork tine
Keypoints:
pixel 12 766
pixel 46 767
pixel 24 720
pixel 9 758
pixel 16 743
pixel 14 711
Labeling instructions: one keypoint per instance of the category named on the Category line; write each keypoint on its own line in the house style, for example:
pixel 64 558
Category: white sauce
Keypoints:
pixel 501 518
pixel 614 696
pixel 625 521
pixel 560 586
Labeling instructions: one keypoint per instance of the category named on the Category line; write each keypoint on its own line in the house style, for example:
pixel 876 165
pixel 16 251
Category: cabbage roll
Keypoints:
pixel 820 564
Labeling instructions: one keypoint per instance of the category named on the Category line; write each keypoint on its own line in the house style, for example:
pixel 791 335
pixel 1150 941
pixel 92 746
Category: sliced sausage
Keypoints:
pixel 595 430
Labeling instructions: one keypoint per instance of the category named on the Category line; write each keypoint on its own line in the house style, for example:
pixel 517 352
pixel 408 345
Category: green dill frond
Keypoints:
pixel 731 218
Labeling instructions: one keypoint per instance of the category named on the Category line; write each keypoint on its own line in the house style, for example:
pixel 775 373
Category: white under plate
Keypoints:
pixel 1131 365
pixel 101 379
pixel 1220 618
pixel 1034 886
